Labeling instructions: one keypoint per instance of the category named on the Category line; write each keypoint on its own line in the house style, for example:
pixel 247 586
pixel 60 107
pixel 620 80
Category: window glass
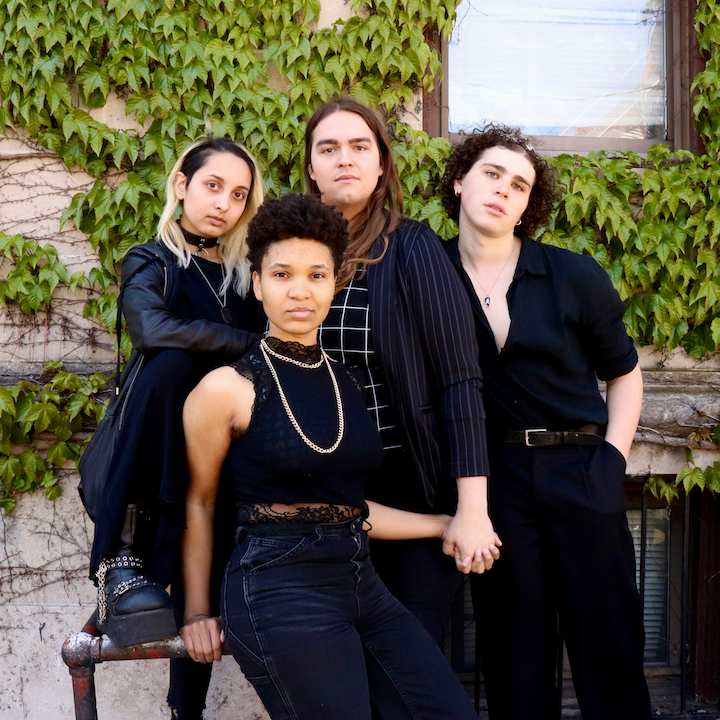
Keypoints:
pixel 560 67
pixel 656 612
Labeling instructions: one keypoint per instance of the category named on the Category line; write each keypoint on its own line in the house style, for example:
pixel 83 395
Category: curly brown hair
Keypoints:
pixel 544 193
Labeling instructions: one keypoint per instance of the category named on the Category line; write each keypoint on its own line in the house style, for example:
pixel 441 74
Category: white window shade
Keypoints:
pixel 592 69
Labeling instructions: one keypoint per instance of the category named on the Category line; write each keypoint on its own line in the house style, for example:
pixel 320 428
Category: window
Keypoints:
pixel 580 76
pixel 656 612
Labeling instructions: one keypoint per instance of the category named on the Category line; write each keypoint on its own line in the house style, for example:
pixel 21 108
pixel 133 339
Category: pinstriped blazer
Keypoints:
pixel 424 339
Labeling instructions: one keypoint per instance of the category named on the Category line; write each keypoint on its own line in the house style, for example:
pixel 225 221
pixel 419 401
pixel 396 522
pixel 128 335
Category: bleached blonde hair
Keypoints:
pixel 233 248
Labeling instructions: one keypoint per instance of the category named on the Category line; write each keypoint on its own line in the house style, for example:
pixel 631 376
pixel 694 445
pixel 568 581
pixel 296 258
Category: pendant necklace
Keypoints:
pixel 341 418
pixel 224 310
pixel 486 300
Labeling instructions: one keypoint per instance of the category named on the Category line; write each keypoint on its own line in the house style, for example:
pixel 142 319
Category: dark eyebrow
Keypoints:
pixel 501 169
pixel 222 179
pixel 318 266
pixel 352 141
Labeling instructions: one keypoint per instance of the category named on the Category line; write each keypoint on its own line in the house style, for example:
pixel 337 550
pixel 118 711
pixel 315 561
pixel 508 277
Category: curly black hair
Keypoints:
pixel 544 193
pixel 296 216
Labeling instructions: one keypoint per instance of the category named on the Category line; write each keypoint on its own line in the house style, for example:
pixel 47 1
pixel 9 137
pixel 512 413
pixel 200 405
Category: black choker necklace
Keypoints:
pixel 200 242
pixel 288 349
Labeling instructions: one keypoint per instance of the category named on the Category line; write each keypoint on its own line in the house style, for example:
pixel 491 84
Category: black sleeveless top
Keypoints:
pixel 271 463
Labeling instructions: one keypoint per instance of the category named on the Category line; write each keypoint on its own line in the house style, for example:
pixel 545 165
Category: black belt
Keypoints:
pixel 591 434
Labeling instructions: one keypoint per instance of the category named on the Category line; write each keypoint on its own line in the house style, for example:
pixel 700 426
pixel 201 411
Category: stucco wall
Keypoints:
pixel 45 597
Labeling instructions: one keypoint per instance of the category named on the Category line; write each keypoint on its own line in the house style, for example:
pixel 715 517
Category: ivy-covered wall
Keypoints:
pixel 255 70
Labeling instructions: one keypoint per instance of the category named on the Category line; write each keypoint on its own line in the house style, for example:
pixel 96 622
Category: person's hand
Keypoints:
pixel 203 637
pixel 472 541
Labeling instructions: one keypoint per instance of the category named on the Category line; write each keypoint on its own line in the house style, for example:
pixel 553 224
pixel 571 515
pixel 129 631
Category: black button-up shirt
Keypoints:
pixel 566 330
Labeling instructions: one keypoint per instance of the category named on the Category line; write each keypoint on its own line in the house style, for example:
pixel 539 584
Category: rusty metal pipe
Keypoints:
pixel 83 650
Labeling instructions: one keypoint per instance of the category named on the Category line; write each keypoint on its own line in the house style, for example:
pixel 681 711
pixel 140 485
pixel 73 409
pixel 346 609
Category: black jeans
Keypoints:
pixel 567 552
pixel 301 613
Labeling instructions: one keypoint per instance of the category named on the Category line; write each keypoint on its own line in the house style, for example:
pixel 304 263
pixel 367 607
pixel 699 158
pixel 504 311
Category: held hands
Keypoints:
pixel 472 541
pixel 203 637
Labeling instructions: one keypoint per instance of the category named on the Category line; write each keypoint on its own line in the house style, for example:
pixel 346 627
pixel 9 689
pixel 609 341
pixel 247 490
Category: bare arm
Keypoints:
pixel 624 402
pixel 211 412
pixel 387 523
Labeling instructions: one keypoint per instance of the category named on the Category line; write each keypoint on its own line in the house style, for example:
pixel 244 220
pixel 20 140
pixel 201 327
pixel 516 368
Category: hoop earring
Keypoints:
pixel 457 193
pixel 519 222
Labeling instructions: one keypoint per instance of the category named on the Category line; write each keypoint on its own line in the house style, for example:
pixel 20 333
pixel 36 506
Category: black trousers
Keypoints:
pixel 567 552
pixel 416 572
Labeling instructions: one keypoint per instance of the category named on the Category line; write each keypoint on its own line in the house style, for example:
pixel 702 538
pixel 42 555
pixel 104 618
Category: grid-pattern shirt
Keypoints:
pixel 346 336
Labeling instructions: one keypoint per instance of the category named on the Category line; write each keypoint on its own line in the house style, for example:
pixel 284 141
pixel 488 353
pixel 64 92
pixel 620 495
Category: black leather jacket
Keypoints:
pixel 149 284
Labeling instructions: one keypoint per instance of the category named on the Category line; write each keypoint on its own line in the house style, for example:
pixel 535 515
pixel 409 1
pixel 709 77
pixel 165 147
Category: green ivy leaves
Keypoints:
pixel 58 407
pixel 251 70
pixel 254 71
pixel 706 104
pixel 653 224
pixel 35 273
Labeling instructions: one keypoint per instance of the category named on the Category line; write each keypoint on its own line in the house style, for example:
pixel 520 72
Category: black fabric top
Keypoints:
pixel 566 329
pixel 167 308
pixel 271 463
pixel 195 300
pixel 346 335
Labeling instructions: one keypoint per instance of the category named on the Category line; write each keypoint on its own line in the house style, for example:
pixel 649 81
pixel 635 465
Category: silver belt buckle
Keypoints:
pixel 527 435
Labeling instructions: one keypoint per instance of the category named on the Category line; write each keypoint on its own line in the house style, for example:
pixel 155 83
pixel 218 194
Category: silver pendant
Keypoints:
pixel 487 301
pixel 226 316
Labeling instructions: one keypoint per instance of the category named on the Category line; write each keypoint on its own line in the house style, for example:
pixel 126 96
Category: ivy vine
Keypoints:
pixel 254 71
pixel 60 408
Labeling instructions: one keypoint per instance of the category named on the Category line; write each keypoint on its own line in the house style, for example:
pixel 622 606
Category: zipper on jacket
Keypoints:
pixel 127 397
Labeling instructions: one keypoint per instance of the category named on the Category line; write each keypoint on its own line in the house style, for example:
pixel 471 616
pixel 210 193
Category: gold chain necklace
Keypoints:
pixel 309 366
pixel 341 418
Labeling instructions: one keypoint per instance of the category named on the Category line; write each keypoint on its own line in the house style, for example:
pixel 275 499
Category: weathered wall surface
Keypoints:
pixel 35 188
pixel 45 596
pixel 681 399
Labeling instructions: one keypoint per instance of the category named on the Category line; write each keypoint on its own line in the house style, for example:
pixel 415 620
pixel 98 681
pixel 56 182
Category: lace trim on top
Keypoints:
pixel 295 350
pixel 261 513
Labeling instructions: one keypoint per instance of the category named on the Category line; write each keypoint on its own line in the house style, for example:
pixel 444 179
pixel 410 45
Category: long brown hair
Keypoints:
pixel 381 214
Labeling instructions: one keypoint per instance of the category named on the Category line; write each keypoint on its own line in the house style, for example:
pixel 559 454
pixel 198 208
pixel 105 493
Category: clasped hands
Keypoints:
pixel 473 543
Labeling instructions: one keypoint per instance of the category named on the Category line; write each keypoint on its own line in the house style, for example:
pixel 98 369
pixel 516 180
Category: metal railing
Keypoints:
pixel 86 649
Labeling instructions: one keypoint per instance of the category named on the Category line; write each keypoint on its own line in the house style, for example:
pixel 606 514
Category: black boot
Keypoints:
pixel 132 607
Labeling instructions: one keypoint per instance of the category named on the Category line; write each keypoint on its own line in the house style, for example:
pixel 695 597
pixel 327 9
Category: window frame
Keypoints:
pixel 683 63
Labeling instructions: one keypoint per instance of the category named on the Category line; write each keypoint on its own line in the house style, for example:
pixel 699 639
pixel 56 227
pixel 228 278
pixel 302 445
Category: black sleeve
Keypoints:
pixel 445 322
pixel 151 325
pixel 605 340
